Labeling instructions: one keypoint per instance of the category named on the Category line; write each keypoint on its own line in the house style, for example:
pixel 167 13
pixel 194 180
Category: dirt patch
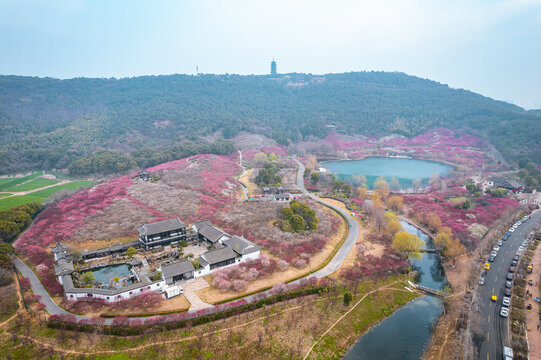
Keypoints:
pixel 8 301
pixel 245 140
pixel 117 220
pixel 247 181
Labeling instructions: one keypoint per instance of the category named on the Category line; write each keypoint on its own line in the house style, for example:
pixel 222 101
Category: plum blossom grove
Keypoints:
pixel 484 210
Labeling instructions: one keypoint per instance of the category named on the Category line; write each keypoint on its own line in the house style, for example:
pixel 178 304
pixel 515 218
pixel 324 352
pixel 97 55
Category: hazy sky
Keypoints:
pixel 490 47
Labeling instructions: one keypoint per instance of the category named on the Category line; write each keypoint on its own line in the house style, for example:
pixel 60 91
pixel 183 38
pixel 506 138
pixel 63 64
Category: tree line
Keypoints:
pixel 42 117
pixel 113 161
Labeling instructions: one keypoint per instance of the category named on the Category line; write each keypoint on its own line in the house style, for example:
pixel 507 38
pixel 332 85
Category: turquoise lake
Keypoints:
pixel 405 170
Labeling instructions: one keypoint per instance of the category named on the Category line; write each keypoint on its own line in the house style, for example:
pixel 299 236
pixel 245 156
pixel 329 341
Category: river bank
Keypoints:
pixel 406 333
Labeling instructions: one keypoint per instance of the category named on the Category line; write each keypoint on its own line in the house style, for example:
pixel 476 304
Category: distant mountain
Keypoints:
pixel 47 123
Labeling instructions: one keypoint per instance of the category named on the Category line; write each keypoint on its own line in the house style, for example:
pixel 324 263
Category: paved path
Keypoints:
pixel 197 303
pixel 190 288
pixel 38 288
pixel 353 235
pixel 241 175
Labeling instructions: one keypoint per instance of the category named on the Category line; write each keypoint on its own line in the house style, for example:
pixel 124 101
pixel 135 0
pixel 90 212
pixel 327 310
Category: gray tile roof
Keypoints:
pixel 218 255
pixel 67 282
pixel 178 268
pixel 200 224
pixel 282 196
pixel 58 248
pixel 241 245
pixel 161 226
pixel 210 232
pixel 64 268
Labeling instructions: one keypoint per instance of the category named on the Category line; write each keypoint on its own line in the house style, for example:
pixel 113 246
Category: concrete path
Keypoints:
pixel 353 225
pixel 189 292
pixel 38 288
pixel 241 175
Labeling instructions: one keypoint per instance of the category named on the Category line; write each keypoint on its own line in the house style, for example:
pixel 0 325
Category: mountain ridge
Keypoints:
pixel 44 117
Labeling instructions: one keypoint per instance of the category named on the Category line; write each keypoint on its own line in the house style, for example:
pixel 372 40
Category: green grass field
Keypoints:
pixel 8 203
pixel 71 186
pixel 39 196
pixel 32 185
pixel 4 195
pixel 7 183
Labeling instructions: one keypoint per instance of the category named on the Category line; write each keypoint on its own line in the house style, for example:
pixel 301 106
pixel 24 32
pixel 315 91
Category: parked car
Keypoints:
pixel 506 301
pixel 521 248
pixel 524 244
pixel 487 266
pixel 481 281
pixel 509 276
pixel 494 253
pixel 508 234
pixel 500 243
pixel 504 312
pixel 507 292
pixel 514 263
pixel 519 223
pixel 491 259
pixel 508 284
pixel 516 257
pixel 512 269
pixel 496 248
pixel 511 230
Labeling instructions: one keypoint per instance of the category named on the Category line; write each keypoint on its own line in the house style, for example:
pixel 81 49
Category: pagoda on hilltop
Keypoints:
pixel 273 67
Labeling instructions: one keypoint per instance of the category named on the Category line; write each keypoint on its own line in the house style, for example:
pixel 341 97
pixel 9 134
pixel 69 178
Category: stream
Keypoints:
pixel 406 333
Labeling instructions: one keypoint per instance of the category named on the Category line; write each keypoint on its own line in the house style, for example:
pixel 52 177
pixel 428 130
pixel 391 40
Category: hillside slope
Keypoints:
pixel 41 118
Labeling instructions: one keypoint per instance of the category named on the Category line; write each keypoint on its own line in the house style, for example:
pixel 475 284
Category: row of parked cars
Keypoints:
pixel 506 300
pixel 518 223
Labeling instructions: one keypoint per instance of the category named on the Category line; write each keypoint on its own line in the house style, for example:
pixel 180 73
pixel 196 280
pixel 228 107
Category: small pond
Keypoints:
pixel 107 273
pixel 404 170
pixel 406 333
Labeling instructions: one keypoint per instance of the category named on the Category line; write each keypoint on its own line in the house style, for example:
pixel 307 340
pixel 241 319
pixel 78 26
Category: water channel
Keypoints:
pixel 404 170
pixel 406 333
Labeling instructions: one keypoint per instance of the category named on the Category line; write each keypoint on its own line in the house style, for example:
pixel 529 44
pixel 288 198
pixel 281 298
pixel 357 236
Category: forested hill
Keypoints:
pixel 48 122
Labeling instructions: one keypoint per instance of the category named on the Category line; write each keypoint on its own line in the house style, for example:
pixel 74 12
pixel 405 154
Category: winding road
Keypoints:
pixel 332 266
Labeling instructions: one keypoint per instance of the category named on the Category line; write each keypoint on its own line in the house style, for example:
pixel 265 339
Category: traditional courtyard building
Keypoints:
pixel 209 233
pixel 181 270
pixel 217 258
pixel 59 251
pixel 162 233
pixel 244 248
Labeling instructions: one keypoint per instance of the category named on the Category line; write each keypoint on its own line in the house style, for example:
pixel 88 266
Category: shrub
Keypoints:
pixel 347 298
pixel 6 277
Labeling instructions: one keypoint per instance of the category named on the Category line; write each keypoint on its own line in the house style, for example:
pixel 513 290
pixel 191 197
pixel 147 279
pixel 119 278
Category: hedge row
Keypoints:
pixel 141 329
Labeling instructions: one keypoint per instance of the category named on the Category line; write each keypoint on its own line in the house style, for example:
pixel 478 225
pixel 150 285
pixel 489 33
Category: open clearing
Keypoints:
pixel 9 182
pixel 38 196
pixel 32 185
